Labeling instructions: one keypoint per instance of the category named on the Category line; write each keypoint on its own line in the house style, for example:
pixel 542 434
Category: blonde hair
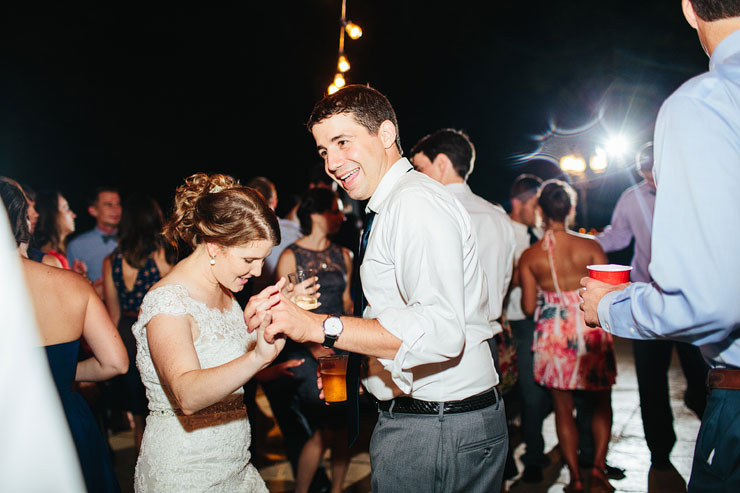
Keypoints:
pixel 217 209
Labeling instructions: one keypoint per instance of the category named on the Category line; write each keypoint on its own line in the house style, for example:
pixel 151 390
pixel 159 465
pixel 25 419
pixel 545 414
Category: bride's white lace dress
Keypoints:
pixel 209 450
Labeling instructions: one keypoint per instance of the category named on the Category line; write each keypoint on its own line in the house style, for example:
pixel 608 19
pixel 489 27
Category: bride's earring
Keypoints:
pixel 213 260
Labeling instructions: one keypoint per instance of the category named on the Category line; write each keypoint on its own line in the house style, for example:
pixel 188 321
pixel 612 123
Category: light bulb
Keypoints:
pixel 339 81
pixel 572 164
pixel 353 30
pixel 343 64
pixel 332 89
pixel 599 161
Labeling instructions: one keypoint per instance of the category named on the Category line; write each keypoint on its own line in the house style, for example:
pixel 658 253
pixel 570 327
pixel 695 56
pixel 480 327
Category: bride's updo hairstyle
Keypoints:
pixel 217 209
pixel 557 200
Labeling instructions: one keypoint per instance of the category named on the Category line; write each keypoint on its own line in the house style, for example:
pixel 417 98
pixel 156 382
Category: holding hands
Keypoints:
pixel 274 315
pixel 257 315
pixel 259 305
pixel 281 316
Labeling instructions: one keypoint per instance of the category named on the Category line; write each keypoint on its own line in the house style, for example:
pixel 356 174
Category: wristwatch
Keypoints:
pixel 333 328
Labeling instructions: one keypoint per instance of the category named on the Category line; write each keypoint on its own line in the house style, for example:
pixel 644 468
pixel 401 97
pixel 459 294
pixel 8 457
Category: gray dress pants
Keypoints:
pixel 463 452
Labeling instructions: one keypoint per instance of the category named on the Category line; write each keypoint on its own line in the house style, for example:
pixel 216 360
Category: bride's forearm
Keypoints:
pixel 197 389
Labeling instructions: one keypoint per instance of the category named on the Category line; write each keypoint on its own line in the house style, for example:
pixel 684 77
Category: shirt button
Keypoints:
pixel 632 330
pixel 606 325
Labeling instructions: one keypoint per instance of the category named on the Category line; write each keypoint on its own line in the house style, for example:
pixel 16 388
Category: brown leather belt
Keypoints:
pixel 130 314
pixel 409 405
pixel 723 378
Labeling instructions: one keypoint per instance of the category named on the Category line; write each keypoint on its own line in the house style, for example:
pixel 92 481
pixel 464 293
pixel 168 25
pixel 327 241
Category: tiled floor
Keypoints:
pixel 627 449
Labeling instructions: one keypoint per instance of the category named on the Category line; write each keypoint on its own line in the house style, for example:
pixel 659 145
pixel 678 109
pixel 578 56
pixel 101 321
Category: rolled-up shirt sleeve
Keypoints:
pixel 427 249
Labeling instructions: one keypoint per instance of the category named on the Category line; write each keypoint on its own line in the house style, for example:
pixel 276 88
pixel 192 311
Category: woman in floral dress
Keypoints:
pixel 568 355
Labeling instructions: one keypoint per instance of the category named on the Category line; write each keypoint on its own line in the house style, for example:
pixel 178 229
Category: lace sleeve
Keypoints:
pixel 169 300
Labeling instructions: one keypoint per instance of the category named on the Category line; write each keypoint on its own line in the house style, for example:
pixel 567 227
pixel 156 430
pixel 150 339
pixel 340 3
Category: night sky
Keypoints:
pixel 141 97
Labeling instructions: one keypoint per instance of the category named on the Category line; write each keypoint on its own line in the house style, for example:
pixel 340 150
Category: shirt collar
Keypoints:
pixel 100 232
pixel 459 187
pixel 727 48
pixel 387 183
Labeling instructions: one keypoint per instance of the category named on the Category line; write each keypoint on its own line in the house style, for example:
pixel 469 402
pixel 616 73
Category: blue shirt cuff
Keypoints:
pixel 603 311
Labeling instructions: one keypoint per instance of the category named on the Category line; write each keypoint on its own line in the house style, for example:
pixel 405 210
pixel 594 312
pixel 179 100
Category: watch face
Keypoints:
pixel 333 326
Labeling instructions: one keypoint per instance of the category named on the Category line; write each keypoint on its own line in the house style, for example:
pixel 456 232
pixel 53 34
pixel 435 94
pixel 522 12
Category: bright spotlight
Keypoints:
pixel 572 164
pixel 332 89
pixel 617 146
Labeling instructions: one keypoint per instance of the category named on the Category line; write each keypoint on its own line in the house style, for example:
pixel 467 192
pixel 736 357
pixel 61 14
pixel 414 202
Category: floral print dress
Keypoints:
pixel 569 355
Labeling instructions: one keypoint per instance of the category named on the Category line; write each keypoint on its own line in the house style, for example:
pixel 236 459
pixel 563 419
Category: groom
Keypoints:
pixel 425 326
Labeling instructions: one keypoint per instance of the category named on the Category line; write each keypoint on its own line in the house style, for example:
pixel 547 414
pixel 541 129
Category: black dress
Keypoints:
pixel 295 400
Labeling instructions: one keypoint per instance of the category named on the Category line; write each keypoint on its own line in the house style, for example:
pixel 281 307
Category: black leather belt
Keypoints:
pixel 409 405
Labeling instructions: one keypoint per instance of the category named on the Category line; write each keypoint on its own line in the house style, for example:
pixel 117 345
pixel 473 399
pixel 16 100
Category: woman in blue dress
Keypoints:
pixel 67 308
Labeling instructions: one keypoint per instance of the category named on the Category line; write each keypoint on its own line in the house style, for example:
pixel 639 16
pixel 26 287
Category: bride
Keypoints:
pixel 194 351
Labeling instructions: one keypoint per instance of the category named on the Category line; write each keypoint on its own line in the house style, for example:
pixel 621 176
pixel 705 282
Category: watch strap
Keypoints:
pixel 329 341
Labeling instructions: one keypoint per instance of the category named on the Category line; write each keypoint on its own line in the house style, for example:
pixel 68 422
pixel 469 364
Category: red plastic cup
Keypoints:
pixel 609 273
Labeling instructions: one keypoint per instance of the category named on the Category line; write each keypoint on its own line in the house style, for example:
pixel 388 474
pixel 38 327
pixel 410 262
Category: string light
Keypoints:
pixel 343 64
pixel 354 32
pixel 573 164
pixel 599 161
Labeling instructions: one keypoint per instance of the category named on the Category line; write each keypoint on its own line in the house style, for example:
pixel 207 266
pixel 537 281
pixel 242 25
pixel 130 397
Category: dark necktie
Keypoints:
pixel 355 360
pixel 532 237
pixel 107 238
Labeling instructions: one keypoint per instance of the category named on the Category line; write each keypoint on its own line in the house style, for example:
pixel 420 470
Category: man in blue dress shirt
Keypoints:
pixel 633 219
pixel 91 247
pixel 695 293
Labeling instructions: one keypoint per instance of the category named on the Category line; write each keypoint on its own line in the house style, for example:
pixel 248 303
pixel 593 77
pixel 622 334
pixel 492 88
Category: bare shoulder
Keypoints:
pixel 287 253
pixel 41 273
pixel 588 249
pixel 529 255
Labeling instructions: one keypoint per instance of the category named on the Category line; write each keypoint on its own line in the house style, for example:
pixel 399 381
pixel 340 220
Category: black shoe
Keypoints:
pixel 614 472
pixel 532 474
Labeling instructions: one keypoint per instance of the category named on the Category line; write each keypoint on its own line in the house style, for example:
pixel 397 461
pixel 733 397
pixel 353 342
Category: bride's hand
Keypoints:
pixel 266 351
pixel 261 303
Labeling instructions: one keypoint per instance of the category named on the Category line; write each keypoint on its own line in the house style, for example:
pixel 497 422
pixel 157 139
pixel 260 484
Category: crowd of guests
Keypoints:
pixel 174 320
pixel 533 262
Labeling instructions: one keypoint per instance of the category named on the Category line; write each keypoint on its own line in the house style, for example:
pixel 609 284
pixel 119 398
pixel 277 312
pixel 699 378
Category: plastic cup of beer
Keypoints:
pixel 610 273
pixel 333 371
pixel 304 296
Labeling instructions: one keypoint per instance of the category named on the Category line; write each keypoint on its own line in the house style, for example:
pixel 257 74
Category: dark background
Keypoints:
pixel 141 97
